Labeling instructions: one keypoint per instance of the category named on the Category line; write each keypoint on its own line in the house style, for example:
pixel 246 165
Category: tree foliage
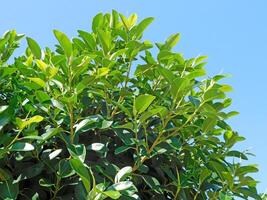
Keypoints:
pixel 102 117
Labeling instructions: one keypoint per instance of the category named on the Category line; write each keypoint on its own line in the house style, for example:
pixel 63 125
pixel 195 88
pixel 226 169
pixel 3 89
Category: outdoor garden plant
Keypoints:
pixel 109 115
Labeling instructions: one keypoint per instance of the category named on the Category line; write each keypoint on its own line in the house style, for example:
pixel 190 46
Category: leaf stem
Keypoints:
pixel 71 115
pixel 57 188
pixel 121 98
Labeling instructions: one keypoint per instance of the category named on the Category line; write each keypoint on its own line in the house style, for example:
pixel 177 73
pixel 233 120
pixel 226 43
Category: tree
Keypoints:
pixel 103 117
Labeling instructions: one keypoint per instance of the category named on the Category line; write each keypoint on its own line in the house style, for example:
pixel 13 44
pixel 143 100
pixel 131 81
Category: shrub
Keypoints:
pixel 102 117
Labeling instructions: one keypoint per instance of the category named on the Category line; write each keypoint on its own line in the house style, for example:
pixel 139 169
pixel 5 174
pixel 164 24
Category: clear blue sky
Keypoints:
pixel 233 33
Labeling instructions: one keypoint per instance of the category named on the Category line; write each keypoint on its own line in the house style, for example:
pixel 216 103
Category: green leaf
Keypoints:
pixel 96 147
pixel 88 39
pixel 35 196
pixel 46 183
pixel 64 42
pixel 132 20
pixel 57 104
pixel 167 74
pixel 196 73
pixel 41 65
pixel 123 108
pixel 38 81
pixel 218 167
pixel 7 71
pixel 82 171
pixel 232 114
pixel 50 133
pixel 21 146
pixel 4 175
pixel 30 172
pixel 194 101
pixel 9 190
pixel 54 154
pixel 97 22
pixel 105 124
pixel 248 192
pixel 224 196
pixel 115 19
pixel 142 102
pixel 172 41
pixel 64 169
pixel 149 113
pixel 103 71
pixel 112 194
pixel 42 96
pixel 105 40
pixel 7 113
pixel 23 123
pixel 35 48
pixel 237 154
pixel 203 175
pixel 178 87
pixel 90 122
pixel 123 173
pixel 226 88
pixel 209 124
pixel 77 151
pixel 121 149
pixel 246 169
pixel 125 22
pixel 213 94
pixel 138 31
pixel 229 178
pixel 153 183
pixel 123 185
pixel 80 192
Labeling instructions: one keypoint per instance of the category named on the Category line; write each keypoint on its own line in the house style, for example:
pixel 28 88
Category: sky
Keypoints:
pixel 232 33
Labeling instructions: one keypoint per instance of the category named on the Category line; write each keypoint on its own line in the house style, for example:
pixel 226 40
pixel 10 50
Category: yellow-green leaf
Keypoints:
pixel 35 48
pixel 23 123
pixel 142 26
pixel 142 102
pixel 172 41
pixel 102 71
pixel 38 81
pixel 41 65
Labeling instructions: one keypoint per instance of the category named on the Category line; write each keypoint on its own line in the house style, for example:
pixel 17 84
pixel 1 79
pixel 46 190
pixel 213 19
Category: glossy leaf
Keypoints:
pixel 112 194
pixel 35 48
pixel 64 169
pixel 125 171
pixel 97 22
pixel 172 41
pixel 105 40
pixel 142 102
pixel 38 81
pixel 82 171
pixel 123 185
pixel 23 123
pixel 140 28
pixel 64 42
pixel 20 146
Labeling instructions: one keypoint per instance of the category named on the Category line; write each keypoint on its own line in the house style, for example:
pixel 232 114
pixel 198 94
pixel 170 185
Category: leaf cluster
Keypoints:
pixel 102 117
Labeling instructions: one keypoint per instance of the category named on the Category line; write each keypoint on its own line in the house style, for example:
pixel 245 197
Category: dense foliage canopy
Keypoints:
pixel 104 117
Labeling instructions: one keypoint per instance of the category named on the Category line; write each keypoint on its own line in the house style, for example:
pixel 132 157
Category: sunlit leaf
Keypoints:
pixel 64 42
pixel 142 102
pixel 125 171
pixel 35 48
